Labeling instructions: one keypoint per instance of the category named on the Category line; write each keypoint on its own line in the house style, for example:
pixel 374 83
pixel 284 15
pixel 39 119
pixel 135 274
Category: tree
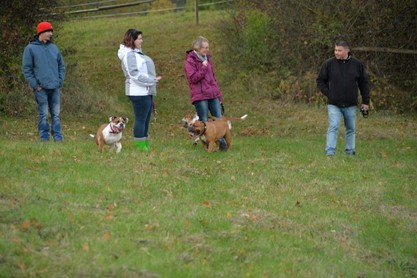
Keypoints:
pixel 293 37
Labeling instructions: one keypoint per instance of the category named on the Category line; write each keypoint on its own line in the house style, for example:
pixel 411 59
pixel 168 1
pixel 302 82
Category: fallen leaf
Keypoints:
pixel 36 224
pixel 110 207
pixel 86 247
pixel 25 225
pixel 107 235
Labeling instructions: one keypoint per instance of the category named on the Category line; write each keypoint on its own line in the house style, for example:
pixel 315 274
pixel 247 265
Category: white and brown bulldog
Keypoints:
pixel 111 133
pixel 188 121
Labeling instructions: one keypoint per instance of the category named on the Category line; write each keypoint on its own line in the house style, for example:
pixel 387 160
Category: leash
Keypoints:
pixel 154 110
pixel 205 128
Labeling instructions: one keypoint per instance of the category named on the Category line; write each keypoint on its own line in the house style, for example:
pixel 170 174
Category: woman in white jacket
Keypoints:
pixel 141 80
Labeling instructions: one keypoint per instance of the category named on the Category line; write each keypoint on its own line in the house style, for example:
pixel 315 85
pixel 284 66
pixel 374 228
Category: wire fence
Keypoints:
pixel 85 4
pixel 77 11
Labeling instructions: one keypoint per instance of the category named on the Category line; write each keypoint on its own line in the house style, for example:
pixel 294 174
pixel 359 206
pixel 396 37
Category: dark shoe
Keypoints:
pixel 348 152
pixel 222 145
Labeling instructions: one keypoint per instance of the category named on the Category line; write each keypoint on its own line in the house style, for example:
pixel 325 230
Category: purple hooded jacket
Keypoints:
pixel 202 80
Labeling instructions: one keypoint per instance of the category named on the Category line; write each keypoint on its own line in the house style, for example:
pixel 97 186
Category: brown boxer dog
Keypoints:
pixel 189 119
pixel 211 132
pixel 111 133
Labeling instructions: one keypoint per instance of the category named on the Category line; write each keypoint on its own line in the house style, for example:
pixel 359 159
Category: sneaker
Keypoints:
pixel 350 152
pixel 222 145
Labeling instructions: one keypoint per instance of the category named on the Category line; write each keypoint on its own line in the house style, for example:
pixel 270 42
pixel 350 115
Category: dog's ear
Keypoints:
pixel 125 119
pixel 198 124
pixel 111 119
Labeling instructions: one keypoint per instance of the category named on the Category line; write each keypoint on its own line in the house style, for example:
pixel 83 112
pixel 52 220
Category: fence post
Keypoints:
pixel 196 11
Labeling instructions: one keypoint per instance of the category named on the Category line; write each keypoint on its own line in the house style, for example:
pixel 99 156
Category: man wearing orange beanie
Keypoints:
pixel 44 70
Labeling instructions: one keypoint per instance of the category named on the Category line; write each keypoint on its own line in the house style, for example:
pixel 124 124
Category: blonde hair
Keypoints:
pixel 198 42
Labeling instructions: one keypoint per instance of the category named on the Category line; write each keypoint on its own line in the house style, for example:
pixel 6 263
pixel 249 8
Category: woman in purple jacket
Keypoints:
pixel 204 90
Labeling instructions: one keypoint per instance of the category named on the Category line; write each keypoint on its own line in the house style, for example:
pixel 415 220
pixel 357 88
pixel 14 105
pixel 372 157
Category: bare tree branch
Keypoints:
pixel 385 49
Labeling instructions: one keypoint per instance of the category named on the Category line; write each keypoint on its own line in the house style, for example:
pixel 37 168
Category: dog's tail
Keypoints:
pixel 236 119
pixel 232 119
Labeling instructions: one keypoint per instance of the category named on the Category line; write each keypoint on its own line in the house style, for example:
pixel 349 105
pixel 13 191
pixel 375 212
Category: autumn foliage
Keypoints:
pixel 278 39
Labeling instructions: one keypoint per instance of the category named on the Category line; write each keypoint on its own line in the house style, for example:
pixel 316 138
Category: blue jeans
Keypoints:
pixel 335 115
pixel 203 106
pixel 142 108
pixel 49 99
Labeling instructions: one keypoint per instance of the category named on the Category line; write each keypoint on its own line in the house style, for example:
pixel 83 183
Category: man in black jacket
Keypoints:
pixel 339 80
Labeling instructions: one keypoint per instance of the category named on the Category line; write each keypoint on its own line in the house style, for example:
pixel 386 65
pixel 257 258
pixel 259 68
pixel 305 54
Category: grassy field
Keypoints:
pixel 272 206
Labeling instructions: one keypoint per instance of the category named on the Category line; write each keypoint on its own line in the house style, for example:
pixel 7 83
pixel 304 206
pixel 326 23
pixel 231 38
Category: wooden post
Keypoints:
pixel 196 11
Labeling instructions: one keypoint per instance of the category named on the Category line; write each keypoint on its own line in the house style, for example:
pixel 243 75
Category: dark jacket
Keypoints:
pixel 43 65
pixel 201 79
pixel 339 80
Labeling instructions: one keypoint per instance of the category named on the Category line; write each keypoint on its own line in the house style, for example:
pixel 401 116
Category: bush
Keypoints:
pixel 387 96
pixel 77 98
pixel 291 39
pixel 17 101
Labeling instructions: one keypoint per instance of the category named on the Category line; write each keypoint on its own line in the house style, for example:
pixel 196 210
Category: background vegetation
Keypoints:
pixel 283 43
pixel 273 47
pixel 272 206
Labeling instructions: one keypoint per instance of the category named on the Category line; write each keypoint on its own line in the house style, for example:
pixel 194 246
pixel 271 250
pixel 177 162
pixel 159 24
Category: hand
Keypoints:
pixel 205 63
pixel 365 110
pixel 158 78
pixel 39 88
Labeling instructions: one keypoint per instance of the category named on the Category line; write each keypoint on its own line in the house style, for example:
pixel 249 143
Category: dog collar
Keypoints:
pixel 112 130
pixel 205 128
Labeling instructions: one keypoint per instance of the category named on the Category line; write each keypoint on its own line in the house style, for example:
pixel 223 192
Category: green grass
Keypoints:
pixel 272 206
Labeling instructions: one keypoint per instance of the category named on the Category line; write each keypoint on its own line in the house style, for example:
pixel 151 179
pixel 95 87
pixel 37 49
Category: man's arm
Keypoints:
pixel 323 80
pixel 363 85
pixel 27 68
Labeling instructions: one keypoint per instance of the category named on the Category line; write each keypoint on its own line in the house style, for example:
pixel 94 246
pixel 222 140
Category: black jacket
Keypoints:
pixel 339 81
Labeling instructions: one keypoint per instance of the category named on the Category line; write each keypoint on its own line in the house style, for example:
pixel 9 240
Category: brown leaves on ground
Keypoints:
pixel 30 223
pixel 253 131
pixel 86 247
